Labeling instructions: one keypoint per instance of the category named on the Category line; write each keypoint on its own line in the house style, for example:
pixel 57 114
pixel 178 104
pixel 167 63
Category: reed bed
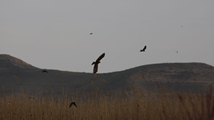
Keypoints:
pixel 134 104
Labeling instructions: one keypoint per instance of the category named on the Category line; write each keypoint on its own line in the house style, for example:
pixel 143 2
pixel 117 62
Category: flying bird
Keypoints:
pixel 97 62
pixel 143 50
pixel 72 103
pixel 44 71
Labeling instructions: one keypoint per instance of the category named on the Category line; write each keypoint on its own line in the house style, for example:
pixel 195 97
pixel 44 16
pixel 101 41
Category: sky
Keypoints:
pixel 55 34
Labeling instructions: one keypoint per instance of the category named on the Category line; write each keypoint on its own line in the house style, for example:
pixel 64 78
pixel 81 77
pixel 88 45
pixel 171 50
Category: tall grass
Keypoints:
pixel 118 105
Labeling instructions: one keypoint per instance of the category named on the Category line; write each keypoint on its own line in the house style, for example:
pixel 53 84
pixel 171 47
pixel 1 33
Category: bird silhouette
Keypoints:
pixel 44 71
pixel 143 50
pixel 97 62
pixel 72 103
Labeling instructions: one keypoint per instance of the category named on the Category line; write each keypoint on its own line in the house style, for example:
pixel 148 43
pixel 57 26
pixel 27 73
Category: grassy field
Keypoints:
pixel 120 105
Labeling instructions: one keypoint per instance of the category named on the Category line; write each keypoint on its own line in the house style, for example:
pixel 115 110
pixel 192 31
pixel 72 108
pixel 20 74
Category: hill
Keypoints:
pixel 17 75
pixel 10 62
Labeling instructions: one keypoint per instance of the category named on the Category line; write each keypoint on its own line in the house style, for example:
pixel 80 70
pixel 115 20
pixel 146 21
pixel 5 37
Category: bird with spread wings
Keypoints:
pixel 97 62
pixel 44 71
pixel 143 50
pixel 72 103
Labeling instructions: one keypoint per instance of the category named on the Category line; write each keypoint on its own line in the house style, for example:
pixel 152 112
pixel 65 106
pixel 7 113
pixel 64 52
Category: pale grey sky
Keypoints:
pixel 54 34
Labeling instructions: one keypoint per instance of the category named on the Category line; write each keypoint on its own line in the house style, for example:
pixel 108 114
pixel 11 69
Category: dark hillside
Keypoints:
pixel 9 62
pixel 16 75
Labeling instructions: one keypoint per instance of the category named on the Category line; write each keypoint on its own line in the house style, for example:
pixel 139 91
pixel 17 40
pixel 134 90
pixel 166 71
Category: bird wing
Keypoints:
pixel 144 48
pixel 100 57
pixel 75 104
pixel 95 68
pixel 70 105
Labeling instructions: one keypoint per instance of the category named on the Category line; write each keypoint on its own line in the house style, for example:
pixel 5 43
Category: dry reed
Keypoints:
pixel 118 105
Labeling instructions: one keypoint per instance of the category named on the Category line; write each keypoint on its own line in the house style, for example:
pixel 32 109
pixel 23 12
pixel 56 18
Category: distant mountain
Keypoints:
pixel 10 62
pixel 17 75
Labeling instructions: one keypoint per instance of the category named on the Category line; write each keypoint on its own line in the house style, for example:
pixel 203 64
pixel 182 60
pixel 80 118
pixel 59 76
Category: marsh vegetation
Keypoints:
pixel 132 104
